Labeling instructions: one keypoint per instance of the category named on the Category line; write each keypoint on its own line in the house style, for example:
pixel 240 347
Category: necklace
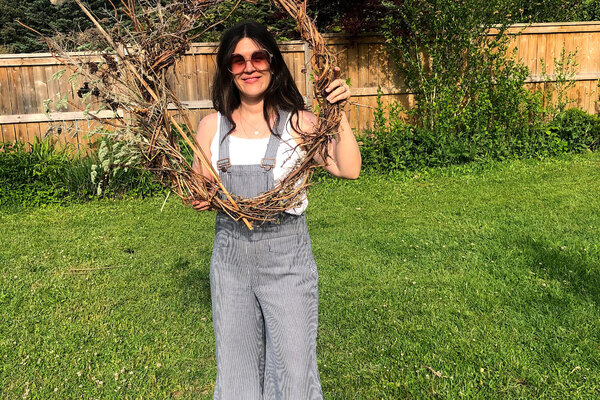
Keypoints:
pixel 244 122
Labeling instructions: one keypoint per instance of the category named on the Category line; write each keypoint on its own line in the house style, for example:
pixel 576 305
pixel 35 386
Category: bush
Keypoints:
pixel 50 173
pixel 579 130
pixel 31 177
pixel 394 145
pixel 469 102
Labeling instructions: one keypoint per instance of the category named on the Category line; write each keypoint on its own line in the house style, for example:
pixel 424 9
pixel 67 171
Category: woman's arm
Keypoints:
pixel 344 160
pixel 204 136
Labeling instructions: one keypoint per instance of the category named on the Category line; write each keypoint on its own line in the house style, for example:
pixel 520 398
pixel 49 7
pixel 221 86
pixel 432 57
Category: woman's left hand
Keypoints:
pixel 338 90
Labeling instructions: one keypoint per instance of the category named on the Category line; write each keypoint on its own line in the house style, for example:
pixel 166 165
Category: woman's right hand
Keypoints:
pixel 205 205
pixel 201 205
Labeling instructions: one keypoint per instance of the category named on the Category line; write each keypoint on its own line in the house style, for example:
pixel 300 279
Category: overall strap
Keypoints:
pixel 268 160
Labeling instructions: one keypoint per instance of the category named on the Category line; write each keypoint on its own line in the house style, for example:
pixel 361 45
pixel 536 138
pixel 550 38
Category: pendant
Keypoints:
pixel 256 133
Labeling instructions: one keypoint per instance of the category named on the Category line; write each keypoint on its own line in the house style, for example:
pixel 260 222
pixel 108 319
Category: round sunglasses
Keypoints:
pixel 260 59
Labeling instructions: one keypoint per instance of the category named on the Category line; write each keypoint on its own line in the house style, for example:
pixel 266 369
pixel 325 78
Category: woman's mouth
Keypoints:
pixel 251 79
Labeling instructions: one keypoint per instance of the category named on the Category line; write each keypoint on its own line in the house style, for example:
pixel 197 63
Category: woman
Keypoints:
pixel 264 282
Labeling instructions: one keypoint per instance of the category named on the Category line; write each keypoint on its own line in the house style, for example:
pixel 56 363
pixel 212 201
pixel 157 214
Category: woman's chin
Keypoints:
pixel 252 94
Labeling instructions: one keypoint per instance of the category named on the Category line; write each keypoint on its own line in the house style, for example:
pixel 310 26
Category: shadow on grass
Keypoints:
pixel 194 282
pixel 580 273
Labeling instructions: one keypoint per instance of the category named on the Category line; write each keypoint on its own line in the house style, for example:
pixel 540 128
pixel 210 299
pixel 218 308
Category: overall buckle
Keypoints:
pixel 223 164
pixel 267 163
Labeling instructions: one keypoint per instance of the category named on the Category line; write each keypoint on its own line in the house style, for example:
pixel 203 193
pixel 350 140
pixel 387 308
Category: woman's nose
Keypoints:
pixel 251 69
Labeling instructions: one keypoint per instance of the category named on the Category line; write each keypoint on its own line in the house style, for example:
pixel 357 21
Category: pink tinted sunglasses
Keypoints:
pixel 260 59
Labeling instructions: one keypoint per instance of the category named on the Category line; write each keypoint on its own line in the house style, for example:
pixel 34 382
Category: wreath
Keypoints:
pixel 130 77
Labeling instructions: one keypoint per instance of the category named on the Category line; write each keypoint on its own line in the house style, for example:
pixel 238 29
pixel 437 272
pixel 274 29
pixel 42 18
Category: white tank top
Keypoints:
pixel 244 151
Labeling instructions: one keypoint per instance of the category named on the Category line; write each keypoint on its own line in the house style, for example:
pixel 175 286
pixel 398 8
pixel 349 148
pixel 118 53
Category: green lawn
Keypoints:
pixel 476 282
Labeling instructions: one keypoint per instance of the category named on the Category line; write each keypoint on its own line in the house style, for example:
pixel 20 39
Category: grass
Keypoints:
pixel 475 282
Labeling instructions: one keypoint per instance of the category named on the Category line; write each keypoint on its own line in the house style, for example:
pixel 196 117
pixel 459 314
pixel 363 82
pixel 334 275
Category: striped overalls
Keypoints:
pixel 264 294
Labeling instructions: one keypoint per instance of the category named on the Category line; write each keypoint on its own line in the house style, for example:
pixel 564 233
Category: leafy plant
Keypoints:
pixel 114 158
pixel 578 130
pixel 45 18
pixel 52 173
pixel 559 83
pixel 31 177
pixel 557 10
pixel 455 70
pixel 395 145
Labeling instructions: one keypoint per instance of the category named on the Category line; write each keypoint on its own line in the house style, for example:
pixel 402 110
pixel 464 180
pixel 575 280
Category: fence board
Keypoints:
pixel 548 56
pixel 375 71
pixel 14 89
pixel 35 132
pixel 30 97
pixel 592 96
pixel 363 65
pixel 52 84
pixel 21 133
pixel 289 60
pixel 541 51
pixel 352 66
pixel 559 45
pixel 366 112
pixel 342 58
pixel 40 89
pixel 178 80
pixel 532 50
pixel 63 88
pixel 587 53
pixel 44 129
pixel 211 63
pixel 8 133
pixel 190 69
pixel 300 72
pixel 24 79
pixel 202 76
pixel 5 106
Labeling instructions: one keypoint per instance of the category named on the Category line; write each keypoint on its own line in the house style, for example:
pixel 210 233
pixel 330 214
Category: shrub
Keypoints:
pixel 50 173
pixel 579 130
pixel 31 177
pixel 394 144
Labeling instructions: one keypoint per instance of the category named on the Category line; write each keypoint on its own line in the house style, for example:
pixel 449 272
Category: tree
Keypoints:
pixel 557 10
pixel 44 17
pixel 469 98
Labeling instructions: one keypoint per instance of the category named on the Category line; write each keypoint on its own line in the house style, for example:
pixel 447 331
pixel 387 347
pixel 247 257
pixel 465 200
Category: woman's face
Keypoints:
pixel 253 77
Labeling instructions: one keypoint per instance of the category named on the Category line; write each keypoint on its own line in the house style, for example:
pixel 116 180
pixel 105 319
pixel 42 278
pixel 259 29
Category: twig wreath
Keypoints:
pixel 130 78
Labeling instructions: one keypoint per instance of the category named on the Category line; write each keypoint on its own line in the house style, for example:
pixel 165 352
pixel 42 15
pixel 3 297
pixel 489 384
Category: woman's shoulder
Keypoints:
pixel 305 120
pixel 207 130
pixel 210 120
pixel 208 125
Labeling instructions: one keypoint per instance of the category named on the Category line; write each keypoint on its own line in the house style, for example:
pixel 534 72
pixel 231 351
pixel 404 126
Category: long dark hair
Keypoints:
pixel 282 92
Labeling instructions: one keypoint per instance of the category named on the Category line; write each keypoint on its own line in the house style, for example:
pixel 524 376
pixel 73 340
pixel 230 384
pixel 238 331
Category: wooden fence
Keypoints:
pixel 25 79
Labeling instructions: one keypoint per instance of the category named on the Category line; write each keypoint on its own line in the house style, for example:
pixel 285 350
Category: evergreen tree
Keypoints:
pixel 44 17
pixel 348 16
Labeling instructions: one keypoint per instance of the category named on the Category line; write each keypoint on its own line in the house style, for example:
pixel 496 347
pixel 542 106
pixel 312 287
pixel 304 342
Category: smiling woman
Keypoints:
pixel 253 78
pixel 264 281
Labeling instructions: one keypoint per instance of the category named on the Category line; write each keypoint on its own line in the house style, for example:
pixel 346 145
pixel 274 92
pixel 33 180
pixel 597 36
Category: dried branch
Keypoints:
pixel 130 76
